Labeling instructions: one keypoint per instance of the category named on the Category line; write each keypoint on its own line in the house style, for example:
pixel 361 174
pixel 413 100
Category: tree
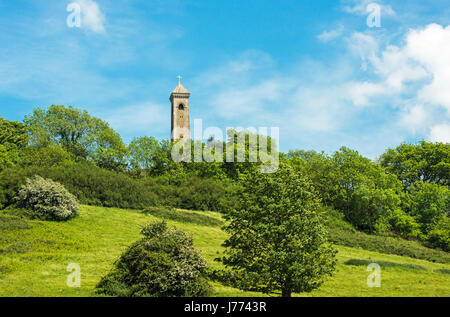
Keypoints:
pixel 13 139
pixel 429 203
pixel 80 134
pixel 249 152
pixel 426 161
pixel 277 239
pixel 13 132
pixel 321 169
pixel 365 193
pixel 148 155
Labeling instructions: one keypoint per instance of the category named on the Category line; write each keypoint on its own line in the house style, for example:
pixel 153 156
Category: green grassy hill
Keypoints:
pixel 34 256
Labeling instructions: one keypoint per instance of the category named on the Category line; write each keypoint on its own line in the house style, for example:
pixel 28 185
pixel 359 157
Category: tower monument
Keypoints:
pixel 180 112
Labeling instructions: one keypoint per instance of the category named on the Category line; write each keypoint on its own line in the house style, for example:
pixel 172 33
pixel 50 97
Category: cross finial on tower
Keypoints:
pixel 179 79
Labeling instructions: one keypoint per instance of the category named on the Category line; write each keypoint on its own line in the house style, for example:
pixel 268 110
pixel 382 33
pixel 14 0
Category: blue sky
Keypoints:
pixel 315 69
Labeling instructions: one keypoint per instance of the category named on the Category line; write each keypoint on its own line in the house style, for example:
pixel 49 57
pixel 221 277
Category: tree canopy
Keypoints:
pixel 277 239
pixel 79 133
pixel 426 161
pixel 13 138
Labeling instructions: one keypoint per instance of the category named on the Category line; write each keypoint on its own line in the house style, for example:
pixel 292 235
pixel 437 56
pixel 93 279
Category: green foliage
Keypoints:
pixel 223 161
pixel 370 199
pixel 277 238
pixel 335 219
pixel 89 183
pixel 321 170
pixel 149 157
pixel 10 181
pixel 47 199
pixel 204 194
pixel 365 193
pixel 80 134
pixel 48 156
pixel 162 264
pixel 96 186
pixel 405 225
pixel 9 156
pixel 83 153
pixel 426 161
pixel 13 138
pixel 428 203
pixel 439 236
pixel 13 132
pixel 246 156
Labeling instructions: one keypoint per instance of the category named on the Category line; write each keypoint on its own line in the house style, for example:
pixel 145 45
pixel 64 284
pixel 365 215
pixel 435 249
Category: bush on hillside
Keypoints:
pixel 335 219
pixel 48 200
pixel 162 264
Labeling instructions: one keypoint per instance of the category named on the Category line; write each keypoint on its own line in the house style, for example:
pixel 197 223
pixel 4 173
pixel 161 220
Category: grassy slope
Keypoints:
pixel 33 261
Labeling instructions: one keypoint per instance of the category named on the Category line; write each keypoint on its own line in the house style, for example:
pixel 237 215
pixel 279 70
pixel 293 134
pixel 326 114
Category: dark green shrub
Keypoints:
pixel 440 237
pixel 162 264
pixel 10 222
pixel 443 271
pixel 10 181
pixel 335 219
pixel 385 264
pixel 183 216
pixel 47 199
pixel 17 247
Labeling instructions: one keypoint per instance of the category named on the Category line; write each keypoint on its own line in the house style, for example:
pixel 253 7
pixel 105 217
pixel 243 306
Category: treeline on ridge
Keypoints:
pixel 404 193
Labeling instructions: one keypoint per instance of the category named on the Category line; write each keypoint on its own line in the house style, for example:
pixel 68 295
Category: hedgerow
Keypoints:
pixel 100 187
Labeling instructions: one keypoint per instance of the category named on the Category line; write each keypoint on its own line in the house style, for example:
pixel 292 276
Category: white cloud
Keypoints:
pixel 360 93
pixel 315 111
pixel 414 118
pixel 327 36
pixel 440 133
pixel 91 16
pixel 431 48
pixel 365 46
pixel 416 73
pixel 235 91
pixel 249 100
pixel 140 118
pixel 359 7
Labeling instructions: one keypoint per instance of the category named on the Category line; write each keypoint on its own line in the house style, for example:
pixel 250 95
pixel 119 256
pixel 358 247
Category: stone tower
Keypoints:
pixel 180 112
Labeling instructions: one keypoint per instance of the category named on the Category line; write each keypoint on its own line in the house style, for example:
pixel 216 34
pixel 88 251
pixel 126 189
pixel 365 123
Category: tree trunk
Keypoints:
pixel 286 287
pixel 286 292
